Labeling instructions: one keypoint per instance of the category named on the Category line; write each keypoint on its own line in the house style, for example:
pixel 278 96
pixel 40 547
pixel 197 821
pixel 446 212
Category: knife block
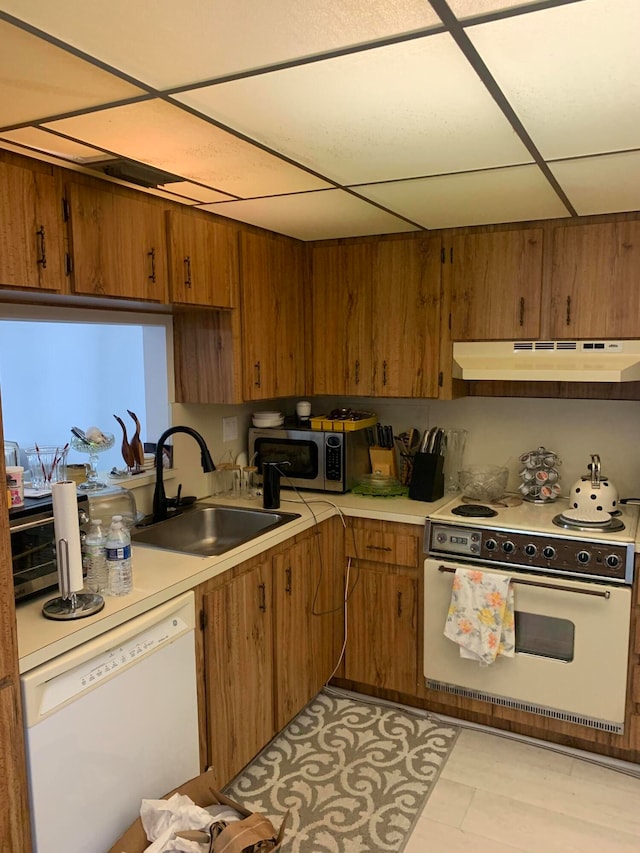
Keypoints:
pixel 427 479
pixel 383 461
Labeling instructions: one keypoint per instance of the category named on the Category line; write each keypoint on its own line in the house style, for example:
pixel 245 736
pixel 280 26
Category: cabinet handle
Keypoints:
pixel 42 260
pixel 258 380
pixel 287 588
pixel 399 603
pixel 378 548
pixel 568 310
pixel 152 256
pixel 384 372
pixel 357 372
pixel 522 310
pixel 187 272
pixel 262 588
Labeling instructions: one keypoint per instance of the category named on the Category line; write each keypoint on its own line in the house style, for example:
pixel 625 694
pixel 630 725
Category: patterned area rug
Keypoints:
pixel 354 775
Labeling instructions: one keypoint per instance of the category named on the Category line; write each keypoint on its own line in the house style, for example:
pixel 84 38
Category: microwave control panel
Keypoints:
pixel 333 451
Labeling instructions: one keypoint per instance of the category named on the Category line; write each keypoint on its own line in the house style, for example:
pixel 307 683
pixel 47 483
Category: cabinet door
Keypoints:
pixel 118 245
pixel 382 630
pixel 203 260
pixel 496 282
pixel 308 610
pixel 31 229
pixel 239 670
pixel 342 277
pixel 272 282
pixel 594 281
pixel 406 318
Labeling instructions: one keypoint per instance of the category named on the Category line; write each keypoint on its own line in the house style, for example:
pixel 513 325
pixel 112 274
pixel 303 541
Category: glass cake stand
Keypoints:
pixel 93 449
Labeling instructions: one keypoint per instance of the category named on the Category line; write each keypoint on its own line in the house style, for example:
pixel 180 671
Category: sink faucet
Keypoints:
pixel 159 497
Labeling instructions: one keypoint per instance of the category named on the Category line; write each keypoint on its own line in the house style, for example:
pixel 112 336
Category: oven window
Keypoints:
pixel 302 456
pixel 545 636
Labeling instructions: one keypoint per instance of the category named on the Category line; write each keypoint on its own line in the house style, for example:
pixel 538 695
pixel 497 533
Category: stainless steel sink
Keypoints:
pixel 210 530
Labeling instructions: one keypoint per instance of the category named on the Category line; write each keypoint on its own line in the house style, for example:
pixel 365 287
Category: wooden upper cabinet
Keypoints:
pixel 203 259
pixel 272 293
pixel 594 281
pixel 496 284
pixel 118 244
pixel 342 311
pixel 31 229
pixel 406 318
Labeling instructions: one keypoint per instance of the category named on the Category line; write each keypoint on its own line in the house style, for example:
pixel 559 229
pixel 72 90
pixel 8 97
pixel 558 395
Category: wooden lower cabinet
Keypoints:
pixel 263 651
pixel 382 614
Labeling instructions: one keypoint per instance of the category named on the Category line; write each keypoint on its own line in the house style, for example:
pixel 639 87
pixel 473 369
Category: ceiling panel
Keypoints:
pixel 463 9
pixel 406 110
pixel 39 80
pixel 516 194
pixel 194 191
pixel 572 74
pixel 168 43
pixel 56 146
pixel 606 184
pixel 314 216
pixel 163 136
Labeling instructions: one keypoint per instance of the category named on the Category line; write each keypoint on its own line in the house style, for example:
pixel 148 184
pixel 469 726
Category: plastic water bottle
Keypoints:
pixel 95 559
pixel 118 554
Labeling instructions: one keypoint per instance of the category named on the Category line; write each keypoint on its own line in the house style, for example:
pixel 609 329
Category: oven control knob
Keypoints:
pixel 548 552
pixel 508 547
pixel 583 557
pixel 530 550
pixel 441 538
pixel 474 548
pixel 491 544
pixel 612 561
pixel 475 537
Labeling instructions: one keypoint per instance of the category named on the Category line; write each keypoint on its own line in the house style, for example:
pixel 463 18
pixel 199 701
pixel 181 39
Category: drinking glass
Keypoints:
pixel 454 443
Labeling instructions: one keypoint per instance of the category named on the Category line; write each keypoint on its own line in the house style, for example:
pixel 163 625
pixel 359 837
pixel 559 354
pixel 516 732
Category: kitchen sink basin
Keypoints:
pixel 210 530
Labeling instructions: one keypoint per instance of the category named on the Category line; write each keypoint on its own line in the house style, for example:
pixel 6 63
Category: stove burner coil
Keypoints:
pixel 614 525
pixel 474 511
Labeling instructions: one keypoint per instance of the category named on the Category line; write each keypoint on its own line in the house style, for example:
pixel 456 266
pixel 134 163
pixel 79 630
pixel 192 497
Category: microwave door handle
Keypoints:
pixel 600 593
pixel 29 525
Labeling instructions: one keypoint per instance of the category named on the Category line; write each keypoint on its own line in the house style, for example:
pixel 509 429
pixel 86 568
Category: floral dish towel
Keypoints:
pixel 481 615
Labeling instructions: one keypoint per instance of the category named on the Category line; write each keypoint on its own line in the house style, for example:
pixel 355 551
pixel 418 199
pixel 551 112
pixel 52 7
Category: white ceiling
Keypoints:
pixel 337 118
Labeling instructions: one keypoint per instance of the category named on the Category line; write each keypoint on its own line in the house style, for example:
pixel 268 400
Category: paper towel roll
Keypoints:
pixel 67 531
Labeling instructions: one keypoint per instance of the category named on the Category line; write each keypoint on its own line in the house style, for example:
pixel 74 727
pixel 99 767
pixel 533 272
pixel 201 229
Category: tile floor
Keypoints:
pixel 497 795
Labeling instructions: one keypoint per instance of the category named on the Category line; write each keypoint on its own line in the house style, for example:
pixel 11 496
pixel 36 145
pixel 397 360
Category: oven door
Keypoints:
pixel 572 641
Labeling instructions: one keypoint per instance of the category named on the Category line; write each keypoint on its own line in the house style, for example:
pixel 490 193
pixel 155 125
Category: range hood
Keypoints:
pixel 548 361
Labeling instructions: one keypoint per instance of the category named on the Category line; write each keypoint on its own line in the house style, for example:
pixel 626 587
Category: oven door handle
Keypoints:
pixel 600 593
pixel 29 525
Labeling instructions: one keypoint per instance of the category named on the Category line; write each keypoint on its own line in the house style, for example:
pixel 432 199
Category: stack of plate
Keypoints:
pixel 267 419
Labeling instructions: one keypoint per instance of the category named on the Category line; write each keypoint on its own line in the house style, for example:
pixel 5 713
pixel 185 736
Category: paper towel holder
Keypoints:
pixel 70 605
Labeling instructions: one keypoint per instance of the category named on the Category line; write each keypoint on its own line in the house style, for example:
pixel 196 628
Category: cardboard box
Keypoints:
pixel 202 792
pixel 324 422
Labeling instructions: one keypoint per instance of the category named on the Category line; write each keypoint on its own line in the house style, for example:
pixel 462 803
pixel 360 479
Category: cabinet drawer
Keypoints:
pixel 380 546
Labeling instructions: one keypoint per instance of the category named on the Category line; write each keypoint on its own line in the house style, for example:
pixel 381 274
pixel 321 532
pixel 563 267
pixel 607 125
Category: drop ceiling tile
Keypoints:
pixel 314 216
pixel 463 9
pixel 194 191
pixel 515 194
pixel 166 137
pixel 56 146
pixel 169 44
pixel 405 110
pixel 40 80
pixel 572 74
pixel 606 184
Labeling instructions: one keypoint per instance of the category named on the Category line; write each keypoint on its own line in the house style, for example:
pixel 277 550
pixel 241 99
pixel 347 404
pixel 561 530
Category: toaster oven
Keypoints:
pixel 33 545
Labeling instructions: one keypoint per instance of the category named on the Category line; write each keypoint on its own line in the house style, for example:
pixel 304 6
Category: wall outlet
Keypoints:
pixel 229 429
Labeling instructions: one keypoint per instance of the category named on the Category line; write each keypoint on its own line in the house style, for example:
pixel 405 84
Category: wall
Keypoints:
pixel 501 429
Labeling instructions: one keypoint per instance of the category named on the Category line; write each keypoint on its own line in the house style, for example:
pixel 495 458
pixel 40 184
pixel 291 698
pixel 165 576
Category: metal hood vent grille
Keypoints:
pixel 542 710
pixel 548 361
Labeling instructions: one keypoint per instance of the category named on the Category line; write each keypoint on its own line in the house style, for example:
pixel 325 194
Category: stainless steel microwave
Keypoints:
pixel 33 545
pixel 317 460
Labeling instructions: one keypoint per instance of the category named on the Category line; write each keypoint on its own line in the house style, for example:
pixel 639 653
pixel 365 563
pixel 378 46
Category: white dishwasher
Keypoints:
pixel 109 723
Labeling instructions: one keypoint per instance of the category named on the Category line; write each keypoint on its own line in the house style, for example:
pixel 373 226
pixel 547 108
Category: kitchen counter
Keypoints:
pixel 160 575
